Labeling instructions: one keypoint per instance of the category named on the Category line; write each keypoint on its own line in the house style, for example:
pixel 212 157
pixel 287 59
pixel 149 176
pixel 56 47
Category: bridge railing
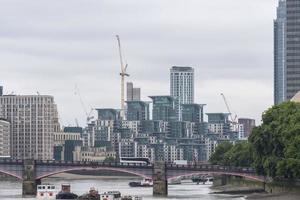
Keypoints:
pixel 217 168
pixel 92 164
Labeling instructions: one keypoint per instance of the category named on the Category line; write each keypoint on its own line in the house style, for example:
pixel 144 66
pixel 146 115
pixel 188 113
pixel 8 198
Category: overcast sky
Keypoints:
pixel 49 46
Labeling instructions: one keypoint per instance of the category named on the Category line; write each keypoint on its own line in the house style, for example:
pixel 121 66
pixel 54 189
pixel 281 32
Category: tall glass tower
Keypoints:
pixel 292 47
pixel 279 54
pixel 182 87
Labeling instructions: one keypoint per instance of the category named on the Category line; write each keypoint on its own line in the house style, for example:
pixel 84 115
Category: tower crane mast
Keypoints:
pixel 123 74
pixel 233 120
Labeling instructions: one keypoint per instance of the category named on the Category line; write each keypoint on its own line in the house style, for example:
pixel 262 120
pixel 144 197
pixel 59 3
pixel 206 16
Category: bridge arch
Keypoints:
pixel 248 176
pixel 11 174
pixel 59 171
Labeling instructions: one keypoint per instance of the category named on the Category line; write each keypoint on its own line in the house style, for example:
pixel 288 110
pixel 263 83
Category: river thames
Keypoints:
pixel 10 190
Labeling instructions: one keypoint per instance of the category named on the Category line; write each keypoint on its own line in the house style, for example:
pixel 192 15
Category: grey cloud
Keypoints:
pixel 51 45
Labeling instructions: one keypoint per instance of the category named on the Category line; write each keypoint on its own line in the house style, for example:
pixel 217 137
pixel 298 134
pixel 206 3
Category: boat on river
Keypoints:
pixel 143 183
pixel 93 194
pixel 46 191
pixel 116 195
pixel 203 179
pixel 66 193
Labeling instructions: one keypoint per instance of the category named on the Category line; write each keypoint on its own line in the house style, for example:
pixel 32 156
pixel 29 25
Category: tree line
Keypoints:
pixel 273 148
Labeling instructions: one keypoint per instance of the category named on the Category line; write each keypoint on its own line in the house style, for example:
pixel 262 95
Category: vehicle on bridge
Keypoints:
pixel 135 160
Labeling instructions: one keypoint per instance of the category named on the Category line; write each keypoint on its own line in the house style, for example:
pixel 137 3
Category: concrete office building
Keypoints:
pixel 292 48
pixel 279 54
pixel 33 121
pixel 163 108
pixel 248 125
pixel 133 94
pixel 4 138
pixel 182 87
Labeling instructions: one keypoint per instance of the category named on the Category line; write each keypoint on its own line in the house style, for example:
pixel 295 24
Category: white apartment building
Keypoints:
pixel 4 138
pixel 33 121
pixel 134 126
pixel 182 87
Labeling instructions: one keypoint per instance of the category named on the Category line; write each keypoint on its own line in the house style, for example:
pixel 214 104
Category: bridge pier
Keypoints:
pixel 160 181
pixel 30 183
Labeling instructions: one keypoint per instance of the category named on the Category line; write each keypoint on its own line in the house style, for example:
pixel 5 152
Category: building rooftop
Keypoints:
pixel 182 69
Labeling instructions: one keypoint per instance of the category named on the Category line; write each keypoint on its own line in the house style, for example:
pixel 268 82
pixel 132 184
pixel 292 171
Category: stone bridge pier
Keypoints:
pixel 160 181
pixel 30 183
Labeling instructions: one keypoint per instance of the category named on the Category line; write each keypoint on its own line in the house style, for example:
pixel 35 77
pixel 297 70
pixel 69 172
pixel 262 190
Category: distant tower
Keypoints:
pixel 133 94
pixel 182 87
pixel 279 54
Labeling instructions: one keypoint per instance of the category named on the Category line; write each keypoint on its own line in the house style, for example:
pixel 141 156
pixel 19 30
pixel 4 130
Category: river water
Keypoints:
pixel 10 190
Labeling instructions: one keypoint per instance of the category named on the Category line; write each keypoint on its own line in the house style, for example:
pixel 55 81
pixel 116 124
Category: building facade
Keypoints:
pixel 163 108
pixel 137 111
pixel 192 112
pixel 279 54
pixel 248 125
pixel 33 120
pixel 182 87
pixel 292 48
pixel 4 138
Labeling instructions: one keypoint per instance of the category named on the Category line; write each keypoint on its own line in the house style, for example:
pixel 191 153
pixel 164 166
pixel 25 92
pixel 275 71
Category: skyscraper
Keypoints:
pixel 133 94
pixel 33 120
pixel 182 87
pixel 292 47
pixel 279 54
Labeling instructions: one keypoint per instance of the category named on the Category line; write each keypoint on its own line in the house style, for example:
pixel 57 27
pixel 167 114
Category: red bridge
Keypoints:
pixel 31 172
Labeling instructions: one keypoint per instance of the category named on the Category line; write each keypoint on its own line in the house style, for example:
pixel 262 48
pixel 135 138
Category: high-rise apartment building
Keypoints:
pixel 133 94
pixel 182 87
pixel 137 111
pixel 163 108
pixel 192 112
pixel 4 138
pixel 33 120
pixel 279 54
pixel 292 47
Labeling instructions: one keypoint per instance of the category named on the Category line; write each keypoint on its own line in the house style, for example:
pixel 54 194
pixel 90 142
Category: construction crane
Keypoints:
pixel 89 116
pixel 233 120
pixel 123 74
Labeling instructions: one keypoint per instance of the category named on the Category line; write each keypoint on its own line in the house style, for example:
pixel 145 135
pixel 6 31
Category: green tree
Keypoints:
pixel 218 157
pixel 240 155
pixel 276 142
pixel 109 159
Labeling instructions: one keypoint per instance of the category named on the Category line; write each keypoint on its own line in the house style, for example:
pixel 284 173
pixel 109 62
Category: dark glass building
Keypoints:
pixel 108 114
pixel 163 108
pixel 70 147
pixel 192 112
pixel 292 47
pixel 137 111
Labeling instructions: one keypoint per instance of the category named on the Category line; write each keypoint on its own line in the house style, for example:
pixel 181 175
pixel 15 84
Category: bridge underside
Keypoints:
pixel 43 172
pixel 172 174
